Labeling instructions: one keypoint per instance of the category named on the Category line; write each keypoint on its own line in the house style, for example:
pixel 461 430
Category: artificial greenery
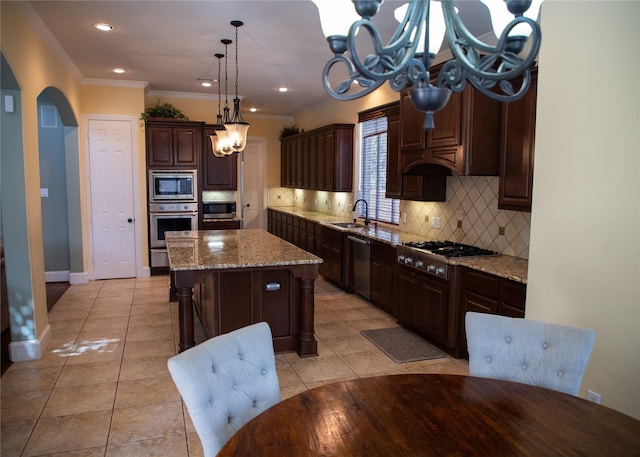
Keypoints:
pixel 289 130
pixel 165 110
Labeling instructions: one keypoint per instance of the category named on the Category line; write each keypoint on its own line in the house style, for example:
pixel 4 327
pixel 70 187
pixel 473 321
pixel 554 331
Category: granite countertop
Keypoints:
pixel 505 266
pixel 228 249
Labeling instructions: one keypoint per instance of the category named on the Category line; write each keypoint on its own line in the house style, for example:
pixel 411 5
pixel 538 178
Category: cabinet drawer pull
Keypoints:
pixel 273 286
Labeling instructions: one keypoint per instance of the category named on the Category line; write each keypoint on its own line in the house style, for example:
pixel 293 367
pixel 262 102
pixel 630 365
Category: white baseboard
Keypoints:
pixel 56 276
pixel 78 278
pixel 24 351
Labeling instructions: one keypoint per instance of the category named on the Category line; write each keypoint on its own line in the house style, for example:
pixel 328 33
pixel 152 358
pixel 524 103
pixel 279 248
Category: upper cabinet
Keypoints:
pixel 466 137
pixel 218 173
pixel 320 159
pixel 173 144
pixel 427 186
pixel 517 150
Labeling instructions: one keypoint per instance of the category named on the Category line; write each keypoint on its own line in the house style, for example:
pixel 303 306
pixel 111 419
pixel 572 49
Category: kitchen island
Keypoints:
pixel 233 278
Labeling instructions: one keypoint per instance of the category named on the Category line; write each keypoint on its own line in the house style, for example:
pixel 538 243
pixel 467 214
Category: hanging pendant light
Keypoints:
pixel 219 138
pixel 236 127
pixel 223 145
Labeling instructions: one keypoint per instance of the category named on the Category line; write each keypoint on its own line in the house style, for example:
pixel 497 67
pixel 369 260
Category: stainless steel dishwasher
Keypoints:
pixel 360 259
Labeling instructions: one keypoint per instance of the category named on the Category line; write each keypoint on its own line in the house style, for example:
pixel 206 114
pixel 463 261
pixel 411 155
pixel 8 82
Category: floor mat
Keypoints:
pixel 402 345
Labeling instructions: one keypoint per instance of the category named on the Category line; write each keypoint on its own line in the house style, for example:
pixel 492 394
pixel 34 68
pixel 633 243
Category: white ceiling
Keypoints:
pixel 170 44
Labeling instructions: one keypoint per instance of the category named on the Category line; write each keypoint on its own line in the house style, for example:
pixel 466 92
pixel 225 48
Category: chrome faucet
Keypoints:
pixel 366 209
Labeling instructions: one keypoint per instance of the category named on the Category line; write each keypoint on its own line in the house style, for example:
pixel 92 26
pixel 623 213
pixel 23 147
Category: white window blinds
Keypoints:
pixel 373 169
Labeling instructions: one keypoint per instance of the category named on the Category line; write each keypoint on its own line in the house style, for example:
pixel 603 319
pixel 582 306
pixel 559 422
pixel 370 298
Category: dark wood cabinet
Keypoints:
pixel 466 137
pixel 173 144
pixel 485 293
pixel 218 173
pixel 332 249
pixel 423 304
pixel 212 224
pixel 517 150
pixel 382 276
pixel 421 187
pixel 320 159
pixel 230 300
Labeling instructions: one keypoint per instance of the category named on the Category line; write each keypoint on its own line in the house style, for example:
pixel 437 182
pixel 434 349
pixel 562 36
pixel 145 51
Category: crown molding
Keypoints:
pixel 114 82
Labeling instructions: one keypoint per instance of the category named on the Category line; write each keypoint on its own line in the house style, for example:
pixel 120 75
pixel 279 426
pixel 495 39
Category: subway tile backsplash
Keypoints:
pixel 470 215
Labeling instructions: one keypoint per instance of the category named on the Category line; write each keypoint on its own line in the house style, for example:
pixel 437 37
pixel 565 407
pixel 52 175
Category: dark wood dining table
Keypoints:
pixel 435 415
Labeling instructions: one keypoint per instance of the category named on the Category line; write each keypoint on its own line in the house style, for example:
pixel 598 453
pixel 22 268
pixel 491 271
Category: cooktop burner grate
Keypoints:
pixel 450 249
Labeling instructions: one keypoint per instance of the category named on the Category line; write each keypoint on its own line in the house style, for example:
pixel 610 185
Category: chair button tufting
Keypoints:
pixel 524 366
pixel 239 356
pixel 235 387
pixel 488 359
pixel 560 373
pixel 264 372
pixel 545 345
pixel 508 339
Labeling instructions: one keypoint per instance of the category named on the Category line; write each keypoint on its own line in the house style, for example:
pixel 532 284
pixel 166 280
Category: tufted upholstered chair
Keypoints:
pixel 226 381
pixel 526 351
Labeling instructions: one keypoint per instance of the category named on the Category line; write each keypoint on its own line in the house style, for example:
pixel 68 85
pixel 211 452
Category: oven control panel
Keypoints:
pixel 429 263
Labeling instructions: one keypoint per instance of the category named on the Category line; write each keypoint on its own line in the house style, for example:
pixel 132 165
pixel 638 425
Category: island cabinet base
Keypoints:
pixel 231 299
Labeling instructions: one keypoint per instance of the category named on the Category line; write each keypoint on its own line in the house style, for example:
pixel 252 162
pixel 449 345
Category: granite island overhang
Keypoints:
pixel 234 278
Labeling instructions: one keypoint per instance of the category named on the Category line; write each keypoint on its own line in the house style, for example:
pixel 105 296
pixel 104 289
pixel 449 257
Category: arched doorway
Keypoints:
pixel 60 188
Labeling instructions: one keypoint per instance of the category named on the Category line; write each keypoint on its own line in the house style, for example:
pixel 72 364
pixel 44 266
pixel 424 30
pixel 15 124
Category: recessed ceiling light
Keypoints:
pixel 104 27
pixel 205 84
pixel 118 70
pixel 253 110
pixel 283 89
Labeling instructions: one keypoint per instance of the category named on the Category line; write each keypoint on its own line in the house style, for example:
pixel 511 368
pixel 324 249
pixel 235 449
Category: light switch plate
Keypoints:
pixel 44 192
pixel 8 103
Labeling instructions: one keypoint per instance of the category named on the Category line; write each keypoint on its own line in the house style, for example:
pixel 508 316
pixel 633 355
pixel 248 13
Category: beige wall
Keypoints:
pixel 584 267
pixel 118 101
pixel 206 110
pixel 35 69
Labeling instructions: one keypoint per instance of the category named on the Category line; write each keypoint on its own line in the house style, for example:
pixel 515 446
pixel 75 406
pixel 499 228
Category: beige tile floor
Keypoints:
pixel 103 389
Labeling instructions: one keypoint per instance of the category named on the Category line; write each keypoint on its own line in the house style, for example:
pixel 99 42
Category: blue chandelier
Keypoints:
pixel 423 24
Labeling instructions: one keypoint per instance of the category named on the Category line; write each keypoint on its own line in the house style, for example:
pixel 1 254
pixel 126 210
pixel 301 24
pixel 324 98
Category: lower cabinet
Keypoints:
pixel 212 224
pixel 382 276
pixel 332 252
pixel 230 300
pixel 422 303
pixel 486 293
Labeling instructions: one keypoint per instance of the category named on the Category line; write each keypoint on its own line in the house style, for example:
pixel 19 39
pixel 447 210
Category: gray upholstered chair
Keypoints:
pixel 226 381
pixel 526 351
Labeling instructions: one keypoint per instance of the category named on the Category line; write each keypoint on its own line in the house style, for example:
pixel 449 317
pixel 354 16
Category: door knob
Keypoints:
pixel 129 220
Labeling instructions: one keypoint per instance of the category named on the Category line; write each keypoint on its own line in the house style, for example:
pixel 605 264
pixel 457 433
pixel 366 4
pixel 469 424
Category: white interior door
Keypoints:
pixel 112 199
pixel 254 184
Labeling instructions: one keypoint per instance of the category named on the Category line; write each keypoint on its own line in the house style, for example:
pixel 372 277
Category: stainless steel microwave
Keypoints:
pixel 218 210
pixel 172 185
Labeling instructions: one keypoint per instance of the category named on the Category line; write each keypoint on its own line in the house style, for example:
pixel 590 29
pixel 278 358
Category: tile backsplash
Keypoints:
pixel 470 215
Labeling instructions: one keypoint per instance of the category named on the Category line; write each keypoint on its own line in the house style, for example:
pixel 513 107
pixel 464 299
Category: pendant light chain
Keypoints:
pixel 226 43
pixel 237 61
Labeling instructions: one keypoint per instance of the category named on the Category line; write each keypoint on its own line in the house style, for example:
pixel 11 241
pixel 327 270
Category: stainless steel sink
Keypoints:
pixel 348 225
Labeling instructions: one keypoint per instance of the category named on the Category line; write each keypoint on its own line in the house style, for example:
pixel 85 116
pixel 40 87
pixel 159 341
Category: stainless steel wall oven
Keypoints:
pixel 173 206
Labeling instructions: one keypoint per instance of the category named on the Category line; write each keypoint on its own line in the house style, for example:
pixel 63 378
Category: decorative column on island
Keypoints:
pixel 233 278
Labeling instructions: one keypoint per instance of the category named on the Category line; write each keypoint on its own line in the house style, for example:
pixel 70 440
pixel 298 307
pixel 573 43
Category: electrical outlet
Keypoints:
pixel 593 396
pixel 404 218
pixel 500 230
pixel 459 224
pixel 435 222
pixel 426 218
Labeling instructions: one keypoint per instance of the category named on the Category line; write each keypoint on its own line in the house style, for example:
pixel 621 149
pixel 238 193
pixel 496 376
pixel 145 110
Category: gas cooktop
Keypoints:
pixel 450 249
